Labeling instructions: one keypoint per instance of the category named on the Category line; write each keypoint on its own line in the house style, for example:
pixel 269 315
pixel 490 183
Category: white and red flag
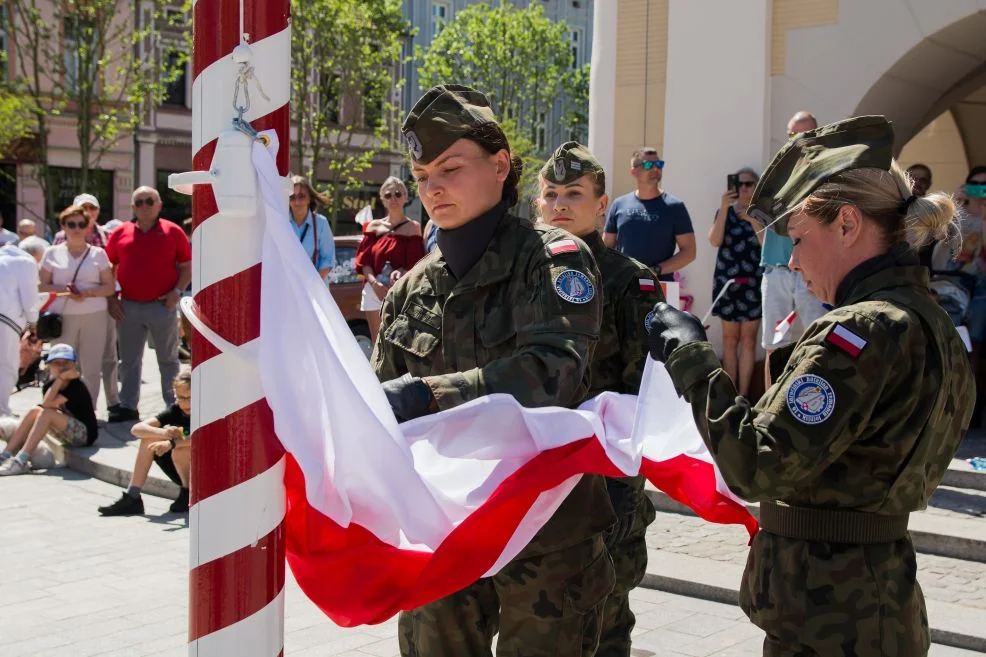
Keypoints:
pixel 383 517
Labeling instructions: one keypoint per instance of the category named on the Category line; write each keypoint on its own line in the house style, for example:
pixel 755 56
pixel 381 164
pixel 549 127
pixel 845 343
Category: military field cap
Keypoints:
pixel 442 117
pixel 568 163
pixel 809 159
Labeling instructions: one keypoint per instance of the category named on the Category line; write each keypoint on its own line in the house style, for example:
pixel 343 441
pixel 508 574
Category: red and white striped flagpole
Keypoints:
pixel 236 579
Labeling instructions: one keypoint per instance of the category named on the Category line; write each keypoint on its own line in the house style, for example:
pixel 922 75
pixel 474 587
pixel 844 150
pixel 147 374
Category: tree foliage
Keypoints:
pixel 345 61
pixel 516 56
pixel 96 61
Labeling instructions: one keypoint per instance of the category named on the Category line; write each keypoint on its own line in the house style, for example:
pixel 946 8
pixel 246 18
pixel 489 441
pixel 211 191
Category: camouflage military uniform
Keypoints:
pixel 505 327
pixel 865 417
pixel 630 291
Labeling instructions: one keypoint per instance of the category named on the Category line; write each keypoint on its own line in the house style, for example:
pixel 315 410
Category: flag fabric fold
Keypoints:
pixel 383 517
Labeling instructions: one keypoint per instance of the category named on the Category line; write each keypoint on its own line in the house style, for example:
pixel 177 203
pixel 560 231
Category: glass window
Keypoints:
pixel 8 196
pixel 67 182
pixel 576 48
pixel 542 131
pixel 175 207
pixel 177 91
pixel 440 13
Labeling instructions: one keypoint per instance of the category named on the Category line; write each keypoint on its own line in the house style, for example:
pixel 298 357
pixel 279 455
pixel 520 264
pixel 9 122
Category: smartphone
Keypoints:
pixel 732 182
pixel 975 191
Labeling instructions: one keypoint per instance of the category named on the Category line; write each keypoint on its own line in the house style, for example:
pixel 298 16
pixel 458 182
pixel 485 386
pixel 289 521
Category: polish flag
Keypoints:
pixel 647 284
pixel 784 326
pixel 383 517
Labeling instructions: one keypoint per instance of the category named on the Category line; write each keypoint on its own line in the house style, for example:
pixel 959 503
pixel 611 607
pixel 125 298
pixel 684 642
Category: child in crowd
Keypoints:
pixel 163 440
pixel 65 413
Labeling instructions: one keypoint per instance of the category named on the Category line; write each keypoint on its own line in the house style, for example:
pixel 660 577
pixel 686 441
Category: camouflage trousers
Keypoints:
pixel 629 554
pixel 818 599
pixel 545 605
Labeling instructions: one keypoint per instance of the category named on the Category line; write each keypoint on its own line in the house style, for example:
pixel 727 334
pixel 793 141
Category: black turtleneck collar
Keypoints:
pixel 900 255
pixel 462 247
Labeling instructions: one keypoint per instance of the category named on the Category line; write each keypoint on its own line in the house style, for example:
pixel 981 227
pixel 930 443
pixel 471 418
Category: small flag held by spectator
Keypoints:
pixel 784 326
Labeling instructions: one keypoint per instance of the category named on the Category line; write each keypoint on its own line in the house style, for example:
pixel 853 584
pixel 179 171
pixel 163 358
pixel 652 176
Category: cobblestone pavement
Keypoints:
pixel 76 585
pixel 944 579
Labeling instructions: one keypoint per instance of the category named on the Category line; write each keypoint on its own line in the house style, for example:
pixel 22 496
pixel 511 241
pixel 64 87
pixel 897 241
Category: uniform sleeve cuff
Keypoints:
pixel 447 390
pixel 692 364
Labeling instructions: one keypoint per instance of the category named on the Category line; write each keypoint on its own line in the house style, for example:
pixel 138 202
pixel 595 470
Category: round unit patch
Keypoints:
pixel 647 320
pixel 574 287
pixel 810 399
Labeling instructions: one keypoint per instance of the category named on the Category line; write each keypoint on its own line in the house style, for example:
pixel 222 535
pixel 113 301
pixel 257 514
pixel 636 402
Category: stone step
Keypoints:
pixel 951 624
pixel 954 524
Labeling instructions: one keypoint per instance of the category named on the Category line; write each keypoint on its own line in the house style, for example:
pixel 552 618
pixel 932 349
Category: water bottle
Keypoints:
pixel 384 275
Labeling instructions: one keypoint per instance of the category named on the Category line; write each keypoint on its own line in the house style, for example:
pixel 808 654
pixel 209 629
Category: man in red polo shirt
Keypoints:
pixel 152 260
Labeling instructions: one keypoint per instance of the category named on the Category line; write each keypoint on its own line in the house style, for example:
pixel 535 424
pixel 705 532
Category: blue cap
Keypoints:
pixel 61 351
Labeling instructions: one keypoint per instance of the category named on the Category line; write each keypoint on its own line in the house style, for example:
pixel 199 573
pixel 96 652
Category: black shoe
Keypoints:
pixel 125 506
pixel 123 414
pixel 180 505
pixel 114 408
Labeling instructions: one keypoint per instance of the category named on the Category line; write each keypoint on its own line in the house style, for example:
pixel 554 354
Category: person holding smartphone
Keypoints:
pixel 736 282
pixel 80 273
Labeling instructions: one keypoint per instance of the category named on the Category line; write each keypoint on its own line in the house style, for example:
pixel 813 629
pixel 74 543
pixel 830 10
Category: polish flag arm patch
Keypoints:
pixel 562 246
pixel 647 284
pixel 845 340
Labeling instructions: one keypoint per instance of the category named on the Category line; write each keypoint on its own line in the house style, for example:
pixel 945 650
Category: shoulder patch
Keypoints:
pixel 845 340
pixel 562 246
pixel 647 320
pixel 647 284
pixel 574 287
pixel 810 399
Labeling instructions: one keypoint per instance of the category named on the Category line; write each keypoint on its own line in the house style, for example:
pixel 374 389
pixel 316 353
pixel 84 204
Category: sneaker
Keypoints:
pixel 125 506
pixel 180 505
pixel 123 414
pixel 4 457
pixel 14 466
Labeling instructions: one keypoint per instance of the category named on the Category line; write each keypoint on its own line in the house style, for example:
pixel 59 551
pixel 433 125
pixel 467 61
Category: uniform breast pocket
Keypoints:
pixel 498 328
pixel 417 331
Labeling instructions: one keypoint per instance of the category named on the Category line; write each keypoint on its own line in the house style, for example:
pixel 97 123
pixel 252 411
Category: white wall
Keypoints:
pixel 602 86
pixel 716 114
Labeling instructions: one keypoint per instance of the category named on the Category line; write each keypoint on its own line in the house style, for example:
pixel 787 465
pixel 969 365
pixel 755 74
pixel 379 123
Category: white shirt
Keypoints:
pixel 62 266
pixel 18 286
pixel 7 237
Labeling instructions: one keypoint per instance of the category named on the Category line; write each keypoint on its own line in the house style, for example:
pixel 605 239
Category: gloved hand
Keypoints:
pixel 671 328
pixel 409 397
pixel 624 499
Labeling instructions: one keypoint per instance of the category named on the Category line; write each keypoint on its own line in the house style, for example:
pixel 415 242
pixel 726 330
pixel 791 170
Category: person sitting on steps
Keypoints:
pixel 163 440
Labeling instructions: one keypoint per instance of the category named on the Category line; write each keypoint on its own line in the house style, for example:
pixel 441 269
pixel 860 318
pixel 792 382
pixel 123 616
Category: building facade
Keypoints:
pixel 712 85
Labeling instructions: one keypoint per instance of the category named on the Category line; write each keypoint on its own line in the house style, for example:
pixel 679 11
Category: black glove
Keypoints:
pixel 409 397
pixel 671 328
pixel 624 499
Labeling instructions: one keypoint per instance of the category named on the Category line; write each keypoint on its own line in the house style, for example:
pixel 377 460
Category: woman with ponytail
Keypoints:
pixel 867 409
pixel 506 306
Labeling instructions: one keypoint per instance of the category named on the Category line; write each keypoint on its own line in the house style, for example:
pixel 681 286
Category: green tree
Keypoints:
pixel 346 56
pixel 15 122
pixel 576 115
pixel 98 61
pixel 517 56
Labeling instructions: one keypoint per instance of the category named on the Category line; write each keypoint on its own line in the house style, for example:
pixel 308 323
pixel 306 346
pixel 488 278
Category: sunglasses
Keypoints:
pixel 73 225
pixel 398 194
pixel 747 183
pixel 148 201
pixel 647 165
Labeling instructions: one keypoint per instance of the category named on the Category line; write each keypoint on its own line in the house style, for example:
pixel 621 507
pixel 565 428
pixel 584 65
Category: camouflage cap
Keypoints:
pixel 569 162
pixel 441 117
pixel 809 159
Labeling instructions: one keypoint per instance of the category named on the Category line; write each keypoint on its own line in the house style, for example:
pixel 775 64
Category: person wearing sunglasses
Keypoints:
pixel 649 224
pixel 389 248
pixel 100 236
pixel 312 228
pixel 152 260
pixel 82 277
pixel 736 282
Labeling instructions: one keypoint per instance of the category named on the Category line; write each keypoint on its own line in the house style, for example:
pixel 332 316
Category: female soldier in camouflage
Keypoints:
pixel 572 196
pixel 867 410
pixel 501 306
